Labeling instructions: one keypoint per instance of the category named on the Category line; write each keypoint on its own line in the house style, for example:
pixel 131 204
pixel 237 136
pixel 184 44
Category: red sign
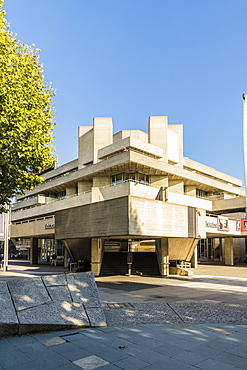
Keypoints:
pixel 244 224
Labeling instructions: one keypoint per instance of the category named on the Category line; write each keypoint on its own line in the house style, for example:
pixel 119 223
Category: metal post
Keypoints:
pixel 244 96
pixel 129 257
pixel 6 240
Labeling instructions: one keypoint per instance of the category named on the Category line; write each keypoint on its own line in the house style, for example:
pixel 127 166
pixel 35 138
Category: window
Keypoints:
pixel 201 193
pixel 135 177
pixel 61 195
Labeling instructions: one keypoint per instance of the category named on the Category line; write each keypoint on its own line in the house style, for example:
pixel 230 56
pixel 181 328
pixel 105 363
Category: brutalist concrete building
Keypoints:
pixel 132 202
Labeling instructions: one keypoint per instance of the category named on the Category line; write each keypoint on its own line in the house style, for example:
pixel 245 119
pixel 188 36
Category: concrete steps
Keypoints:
pixel 116 264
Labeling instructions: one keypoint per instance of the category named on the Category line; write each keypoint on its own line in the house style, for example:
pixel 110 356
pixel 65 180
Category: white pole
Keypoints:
pixel 244 96
pixel 6 241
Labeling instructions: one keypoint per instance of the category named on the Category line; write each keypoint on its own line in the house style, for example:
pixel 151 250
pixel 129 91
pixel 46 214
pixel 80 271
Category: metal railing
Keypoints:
pixel 184 266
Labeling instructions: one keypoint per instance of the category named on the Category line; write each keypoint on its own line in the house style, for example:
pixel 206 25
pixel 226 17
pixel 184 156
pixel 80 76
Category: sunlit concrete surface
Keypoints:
pixel 50 302
pixel 212 295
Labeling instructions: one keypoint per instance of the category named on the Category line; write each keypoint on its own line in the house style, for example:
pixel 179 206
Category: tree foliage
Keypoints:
pixel 26 116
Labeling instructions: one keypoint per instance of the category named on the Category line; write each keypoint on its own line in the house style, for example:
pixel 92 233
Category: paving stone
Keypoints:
pixel 171 364
pixel 151 357
pixel 91 362
pixel 28 293
pixel 96 316
pixel 131 363
pixel 228 358
pixel 215 312
pixel 3 287
pixel 64 347
pixel 47 356
pixel 76 354
pixel 53 341
pixel 28 347
pixel 242 366
pixel 72 337
pixel 7 312
pixel 83 289
pixel 63 313
pixel 211 363
pixel 11 359
pixel 59 293
pixel 155 313
pixel 53 280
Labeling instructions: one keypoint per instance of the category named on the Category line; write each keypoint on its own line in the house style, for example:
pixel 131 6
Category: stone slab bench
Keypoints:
pixel 51 302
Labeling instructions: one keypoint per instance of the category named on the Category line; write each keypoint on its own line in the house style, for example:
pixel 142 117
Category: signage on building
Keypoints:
pixel 223 223
pixel 241 224
pixel 212 224
pixel 238 225
pixel 50 226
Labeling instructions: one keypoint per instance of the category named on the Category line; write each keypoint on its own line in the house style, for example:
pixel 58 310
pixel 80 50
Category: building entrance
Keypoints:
pixel 210 249
pixel 132 257
pixel 46 247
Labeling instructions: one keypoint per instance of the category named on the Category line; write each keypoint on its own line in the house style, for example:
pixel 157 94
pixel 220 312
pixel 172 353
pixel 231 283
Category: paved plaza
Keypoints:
pixel 197 322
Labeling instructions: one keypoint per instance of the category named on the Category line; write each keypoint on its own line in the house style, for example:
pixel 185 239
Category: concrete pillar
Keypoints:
pixel 96 195
pixel 71 190
pixel 176 186
pixel 159 180
pixel 190 190
pixel 228 251
pixel 96 255
pixel 101 181
pixel 66 256
pixel 163 256
pixel 194 259
pixel 33 251
pixel 84 186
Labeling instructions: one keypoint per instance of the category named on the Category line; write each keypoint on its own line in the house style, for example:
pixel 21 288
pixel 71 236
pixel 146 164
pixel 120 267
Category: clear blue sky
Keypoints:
pixel 131 59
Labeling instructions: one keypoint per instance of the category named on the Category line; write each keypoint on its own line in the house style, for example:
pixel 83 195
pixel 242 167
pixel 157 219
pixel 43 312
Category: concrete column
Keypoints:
pixel 163 256
pixel 190 190
pixel 96 195
pixel 96 255
pixel 71 190
pixel 194 259
pixel 84 186
pixel 176 186
pixel 228 251
pixel 33 251
pixel 159 180
pixel 66 256
pixel 101 181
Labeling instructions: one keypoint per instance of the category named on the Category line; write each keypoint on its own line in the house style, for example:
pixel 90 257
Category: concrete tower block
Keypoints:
pixel 103 134
pixel 175 144
pixel 85 145
pixel 157 132
pixel 93 138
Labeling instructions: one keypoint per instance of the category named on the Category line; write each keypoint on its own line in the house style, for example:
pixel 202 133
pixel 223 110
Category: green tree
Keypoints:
pixel 26 116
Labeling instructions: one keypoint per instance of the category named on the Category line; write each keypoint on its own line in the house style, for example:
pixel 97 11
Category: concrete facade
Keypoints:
pixel 129 187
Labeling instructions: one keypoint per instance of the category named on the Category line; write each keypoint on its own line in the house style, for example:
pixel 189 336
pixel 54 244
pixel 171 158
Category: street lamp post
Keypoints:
pixel 6 240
